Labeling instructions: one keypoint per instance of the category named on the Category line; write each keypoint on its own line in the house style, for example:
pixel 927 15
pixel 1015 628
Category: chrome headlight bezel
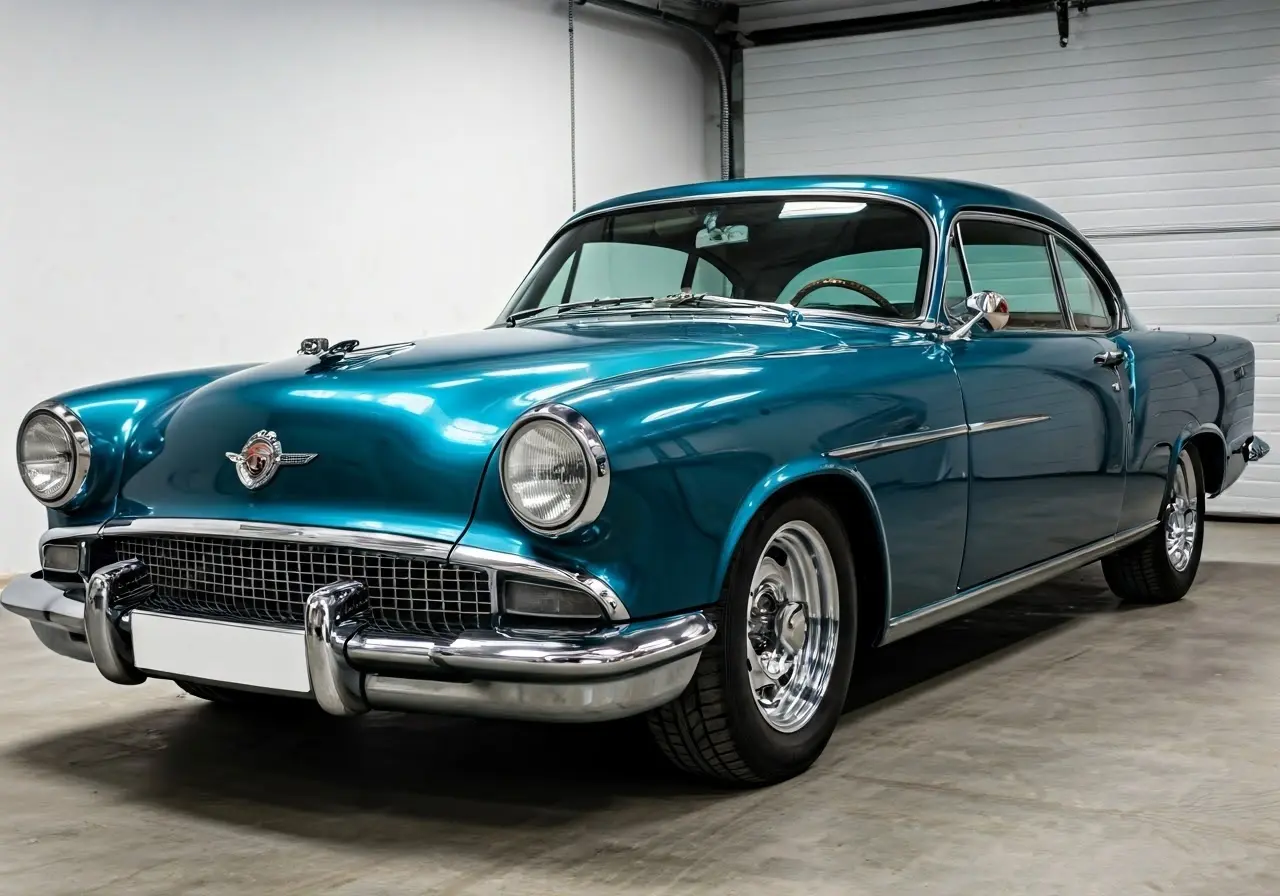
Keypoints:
pixel 594 456
pixel 81 458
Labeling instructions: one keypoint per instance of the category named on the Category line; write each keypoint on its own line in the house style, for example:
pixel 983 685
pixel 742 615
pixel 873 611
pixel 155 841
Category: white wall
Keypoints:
pixel 210 181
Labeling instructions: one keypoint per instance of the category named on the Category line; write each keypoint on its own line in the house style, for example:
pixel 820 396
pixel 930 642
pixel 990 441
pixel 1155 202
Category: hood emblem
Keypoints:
pixel 257 462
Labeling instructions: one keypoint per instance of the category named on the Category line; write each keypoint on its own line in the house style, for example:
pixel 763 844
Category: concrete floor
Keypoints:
pixel 1050 744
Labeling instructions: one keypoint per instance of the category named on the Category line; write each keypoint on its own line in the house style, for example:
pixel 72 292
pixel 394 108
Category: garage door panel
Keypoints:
pixel 898 112
pixel 1132 29
pixel 878 131
pixel 1154 55
pixel 1159 115
pixel 1249 251
pixel 1206 152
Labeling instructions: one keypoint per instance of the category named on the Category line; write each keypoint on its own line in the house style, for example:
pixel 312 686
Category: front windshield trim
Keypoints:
pixel 923 319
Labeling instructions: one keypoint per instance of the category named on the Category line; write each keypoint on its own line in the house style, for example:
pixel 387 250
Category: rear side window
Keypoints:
pixel 1014 261
pixel 1085 299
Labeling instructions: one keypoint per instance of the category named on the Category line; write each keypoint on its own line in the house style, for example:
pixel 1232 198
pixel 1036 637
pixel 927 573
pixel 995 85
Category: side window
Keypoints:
pixel 627 269
pixel 894 273
pixel 1085 299
pixel 1014 261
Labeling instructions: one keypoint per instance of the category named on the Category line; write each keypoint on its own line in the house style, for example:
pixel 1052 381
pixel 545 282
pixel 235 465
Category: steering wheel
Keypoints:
pixel 854 285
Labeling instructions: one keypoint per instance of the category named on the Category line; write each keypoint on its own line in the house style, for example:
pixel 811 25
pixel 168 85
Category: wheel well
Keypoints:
pixel 1212 459
pixel 854 508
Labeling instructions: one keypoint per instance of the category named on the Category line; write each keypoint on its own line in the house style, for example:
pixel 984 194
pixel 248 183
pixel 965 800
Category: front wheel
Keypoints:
pixel 1161 567
pixel 770 687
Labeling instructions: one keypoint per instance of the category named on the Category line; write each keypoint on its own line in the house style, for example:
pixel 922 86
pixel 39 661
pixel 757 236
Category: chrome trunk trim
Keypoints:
pixel 967 601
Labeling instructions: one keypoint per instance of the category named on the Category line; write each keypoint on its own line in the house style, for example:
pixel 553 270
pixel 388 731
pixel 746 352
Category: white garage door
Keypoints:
pixel 1156 132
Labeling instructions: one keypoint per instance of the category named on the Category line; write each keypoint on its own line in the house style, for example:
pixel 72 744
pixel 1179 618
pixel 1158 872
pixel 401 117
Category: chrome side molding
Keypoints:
pixel 911 440
pixel 975 598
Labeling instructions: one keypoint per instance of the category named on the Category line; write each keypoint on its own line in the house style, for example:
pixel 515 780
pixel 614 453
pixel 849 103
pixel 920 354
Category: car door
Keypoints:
pixel 1045 402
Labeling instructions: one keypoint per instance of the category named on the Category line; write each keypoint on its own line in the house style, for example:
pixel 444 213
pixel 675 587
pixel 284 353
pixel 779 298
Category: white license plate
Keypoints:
pixel 226 652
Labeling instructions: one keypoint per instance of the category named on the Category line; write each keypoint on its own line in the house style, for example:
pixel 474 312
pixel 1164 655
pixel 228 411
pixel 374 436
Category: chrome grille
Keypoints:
pixel 270 581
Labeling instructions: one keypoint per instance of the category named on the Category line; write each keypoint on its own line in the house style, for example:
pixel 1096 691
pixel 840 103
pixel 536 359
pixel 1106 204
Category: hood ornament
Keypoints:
pixel 257 462
pixel 318 345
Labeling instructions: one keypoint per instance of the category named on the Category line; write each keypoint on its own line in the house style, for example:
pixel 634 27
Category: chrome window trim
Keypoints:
pixel 1045 233
pixel 597 462
pixel 922 320
pixel 493 561
pixel 79 443
pixel 863 450
pixel 1107 301
pixel 1117 308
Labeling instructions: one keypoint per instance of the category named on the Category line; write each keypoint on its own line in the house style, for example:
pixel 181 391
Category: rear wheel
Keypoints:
pixel 770 687
pixel 1162 566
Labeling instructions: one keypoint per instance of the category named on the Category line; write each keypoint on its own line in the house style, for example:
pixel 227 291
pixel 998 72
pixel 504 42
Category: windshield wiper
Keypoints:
pixel 679 300
pixel 513 319
pixel 686 300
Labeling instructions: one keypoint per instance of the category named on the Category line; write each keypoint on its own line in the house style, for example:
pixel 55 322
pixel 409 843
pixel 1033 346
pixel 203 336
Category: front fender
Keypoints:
pixel 695 452
pixel 792 474
pixel 121 418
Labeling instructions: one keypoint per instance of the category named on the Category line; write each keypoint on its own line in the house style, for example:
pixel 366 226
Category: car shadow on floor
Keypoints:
pixel 303 772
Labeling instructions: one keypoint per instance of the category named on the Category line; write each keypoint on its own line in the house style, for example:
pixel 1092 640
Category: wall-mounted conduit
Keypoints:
pixel 704 35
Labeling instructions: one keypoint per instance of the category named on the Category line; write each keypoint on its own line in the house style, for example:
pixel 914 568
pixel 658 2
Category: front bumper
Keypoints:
pixel 618 671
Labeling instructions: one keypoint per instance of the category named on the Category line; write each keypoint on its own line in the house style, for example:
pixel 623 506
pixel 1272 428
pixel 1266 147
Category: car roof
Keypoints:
pixel 937 196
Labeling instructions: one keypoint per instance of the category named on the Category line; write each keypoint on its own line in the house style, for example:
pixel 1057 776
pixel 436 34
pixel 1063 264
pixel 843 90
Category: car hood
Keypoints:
pixel 402 436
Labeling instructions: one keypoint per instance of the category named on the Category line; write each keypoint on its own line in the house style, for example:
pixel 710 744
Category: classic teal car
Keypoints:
pixel 722 438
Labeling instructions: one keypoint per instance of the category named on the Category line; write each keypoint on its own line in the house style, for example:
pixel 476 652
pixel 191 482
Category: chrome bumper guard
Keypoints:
pixel 611 673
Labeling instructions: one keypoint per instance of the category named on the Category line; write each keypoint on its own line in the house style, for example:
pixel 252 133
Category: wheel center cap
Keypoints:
pixel 792 626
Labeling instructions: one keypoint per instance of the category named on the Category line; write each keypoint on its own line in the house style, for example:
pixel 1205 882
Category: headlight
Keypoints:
pixel 555 475
pixel 53 454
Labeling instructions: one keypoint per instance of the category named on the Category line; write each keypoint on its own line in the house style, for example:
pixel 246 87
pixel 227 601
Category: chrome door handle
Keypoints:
pixel 1109 359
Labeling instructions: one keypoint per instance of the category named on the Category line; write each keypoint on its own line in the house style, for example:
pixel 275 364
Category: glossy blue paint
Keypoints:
pixel 705 418
pixel 1074 462
pixel 120 418
pixel 705 443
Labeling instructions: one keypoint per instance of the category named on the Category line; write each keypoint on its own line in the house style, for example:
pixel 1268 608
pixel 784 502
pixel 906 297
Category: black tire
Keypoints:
pixel 1144 573
pixel 247 700
pixel 714 728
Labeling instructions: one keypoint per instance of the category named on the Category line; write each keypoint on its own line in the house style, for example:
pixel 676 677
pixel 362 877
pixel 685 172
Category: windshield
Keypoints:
pixel 864 256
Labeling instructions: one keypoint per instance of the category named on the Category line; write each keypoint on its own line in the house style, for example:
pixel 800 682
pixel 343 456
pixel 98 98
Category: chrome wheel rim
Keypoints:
pixel 793 623
pixel 1182 519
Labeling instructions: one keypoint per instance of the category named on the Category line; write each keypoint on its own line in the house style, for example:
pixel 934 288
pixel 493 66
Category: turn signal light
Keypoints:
pixel 530 599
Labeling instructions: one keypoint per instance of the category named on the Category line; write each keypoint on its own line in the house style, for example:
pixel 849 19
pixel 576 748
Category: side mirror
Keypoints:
pixel 989 306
